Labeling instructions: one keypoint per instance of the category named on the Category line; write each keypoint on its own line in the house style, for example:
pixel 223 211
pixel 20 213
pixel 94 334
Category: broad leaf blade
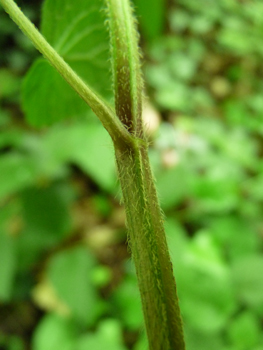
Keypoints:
pixel 70 274
pixel 47 97
pixel 76 30
pixel 87 146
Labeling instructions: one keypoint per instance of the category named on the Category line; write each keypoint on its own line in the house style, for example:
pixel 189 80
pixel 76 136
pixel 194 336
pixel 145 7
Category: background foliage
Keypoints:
pixel 66 278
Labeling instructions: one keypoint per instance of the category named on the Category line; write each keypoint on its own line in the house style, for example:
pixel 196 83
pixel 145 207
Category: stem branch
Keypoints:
pixel 103 111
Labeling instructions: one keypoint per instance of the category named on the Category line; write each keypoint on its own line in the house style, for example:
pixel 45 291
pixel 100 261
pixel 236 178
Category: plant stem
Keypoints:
pixel 103 111
pixel 127 79
pixel 149 250
pixel 144 218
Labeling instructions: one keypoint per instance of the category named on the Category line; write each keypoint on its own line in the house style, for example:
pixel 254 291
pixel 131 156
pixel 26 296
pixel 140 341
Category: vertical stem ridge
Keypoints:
pixel 149 250
pixel 127 79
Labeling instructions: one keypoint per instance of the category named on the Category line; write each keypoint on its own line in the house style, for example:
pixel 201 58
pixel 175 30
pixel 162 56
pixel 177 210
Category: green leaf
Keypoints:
pixel 182 66
pixel 201 25
pixel 248 279
pixel 16 172
pixel 16 343
pixel 127 301
pixel 4 118
pixel 179 20
pixel 142 343
pixel 244 332
pixel 7 266
pixel 175 96
pixel 9 84
pixel 176 239
pixel 47 98
pixel 169 190
pixel 87 145
pixel 10 138
pixel 46 218
pixel 52 333
pixel 204 285
pixel 238 237
pixel 203 341
pixel 45 210
pixel 236 40
pixel 70 273
pixel 217 190
pixel 76 30
pixel 108 336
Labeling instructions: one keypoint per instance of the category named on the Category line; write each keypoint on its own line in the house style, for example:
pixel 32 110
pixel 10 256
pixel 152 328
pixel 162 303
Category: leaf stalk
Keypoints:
pixel 104 112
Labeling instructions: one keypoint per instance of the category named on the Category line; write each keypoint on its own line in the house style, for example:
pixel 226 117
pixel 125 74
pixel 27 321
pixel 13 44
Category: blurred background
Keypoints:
pixel 66 276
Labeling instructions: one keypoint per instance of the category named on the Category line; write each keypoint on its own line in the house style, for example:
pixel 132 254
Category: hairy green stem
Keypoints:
pixel 103 111
pixel 149 250
pixel 127 80
pixel 144 218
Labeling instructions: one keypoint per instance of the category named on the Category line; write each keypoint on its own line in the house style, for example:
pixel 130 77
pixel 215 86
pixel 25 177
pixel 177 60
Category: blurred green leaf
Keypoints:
pixel 182 66
pixel 10 138
pixel 217 191
pixel 6 26
pixel 46 210
pixel 177 239
pixel 172 186
pixel 108 336
pixel 248 278
pixel 175 96
pixel 15 343
pixel 204 285
pixel 201 25
pixel 244 332
pixel 77 31
pixel 54 332
pixel 8 266
pixel 204 341
pixel 235 41
pixel 46 217
pixel 127 301
pixel 101 276
pixel 237 236
pixel 179 20
pixel 87 145
pixel 16 172
pixel 70 273
pixel 4 118
pixel 9 84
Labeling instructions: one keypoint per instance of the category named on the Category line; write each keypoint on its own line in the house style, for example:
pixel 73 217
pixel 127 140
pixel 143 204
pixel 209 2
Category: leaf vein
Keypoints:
pixel 70 28
pixel 77 38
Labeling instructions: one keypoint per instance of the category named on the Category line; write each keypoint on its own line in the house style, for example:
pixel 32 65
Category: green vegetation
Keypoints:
pixel 66 280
